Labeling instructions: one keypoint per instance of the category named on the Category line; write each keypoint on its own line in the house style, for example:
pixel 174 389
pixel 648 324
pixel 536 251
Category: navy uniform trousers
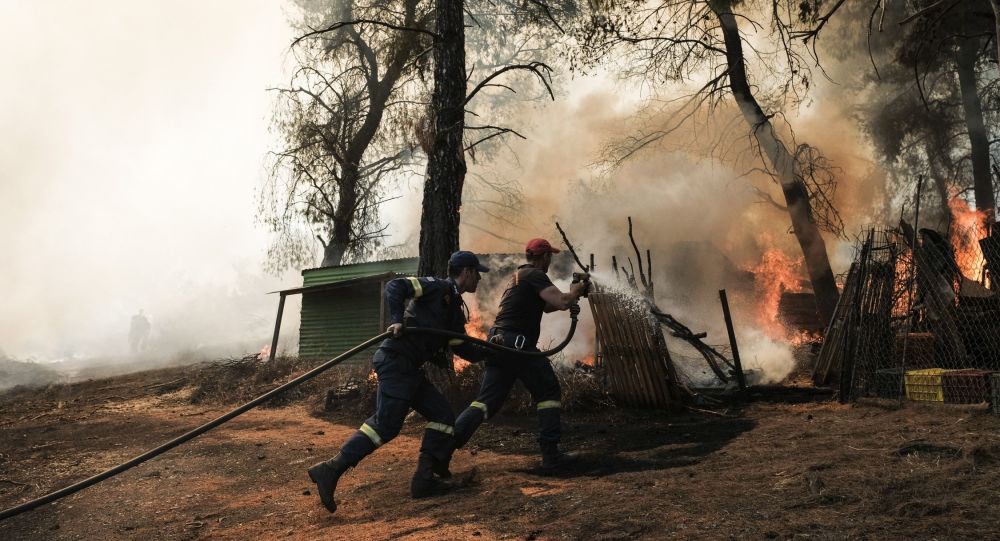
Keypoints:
pixel 502 370
pixel 402 385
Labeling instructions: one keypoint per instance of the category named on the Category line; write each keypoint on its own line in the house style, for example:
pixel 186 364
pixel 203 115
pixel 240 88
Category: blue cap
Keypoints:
pixel 466 259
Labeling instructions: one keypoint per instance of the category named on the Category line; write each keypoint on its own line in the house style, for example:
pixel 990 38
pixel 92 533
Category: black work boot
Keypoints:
pixel 325 475
pixel 554 459
pixel 442 468
pixel 424 484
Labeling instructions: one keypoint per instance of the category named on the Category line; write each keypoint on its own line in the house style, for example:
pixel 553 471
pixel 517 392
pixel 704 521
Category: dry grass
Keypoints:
pixel 353 386
pixel 581 389
pixel 239 380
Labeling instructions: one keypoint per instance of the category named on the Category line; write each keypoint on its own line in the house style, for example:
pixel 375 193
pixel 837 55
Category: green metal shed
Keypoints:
pixel 343 306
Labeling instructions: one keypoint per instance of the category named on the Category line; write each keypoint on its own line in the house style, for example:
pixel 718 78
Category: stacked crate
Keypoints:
pixel 925 385
pixel 966 386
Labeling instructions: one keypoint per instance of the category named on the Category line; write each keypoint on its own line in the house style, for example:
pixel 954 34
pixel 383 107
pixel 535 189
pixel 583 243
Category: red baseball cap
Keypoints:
pixel 539 247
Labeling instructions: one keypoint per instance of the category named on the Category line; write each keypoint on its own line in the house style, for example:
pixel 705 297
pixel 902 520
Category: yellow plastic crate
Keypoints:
pixel 925 385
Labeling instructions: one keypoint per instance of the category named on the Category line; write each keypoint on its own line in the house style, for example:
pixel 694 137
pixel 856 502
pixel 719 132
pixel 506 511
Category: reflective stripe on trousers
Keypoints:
pixel 481 406
pixel 441 427
pixel 372 435
pixel 546 404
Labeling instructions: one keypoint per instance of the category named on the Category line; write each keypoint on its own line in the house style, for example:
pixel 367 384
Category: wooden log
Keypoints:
pixel 639 367
pixel 611 346
pixel 623 350
pixel 828 361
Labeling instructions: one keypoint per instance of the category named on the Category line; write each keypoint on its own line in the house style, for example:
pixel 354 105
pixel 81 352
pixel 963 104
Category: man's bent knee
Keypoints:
pixel 380 435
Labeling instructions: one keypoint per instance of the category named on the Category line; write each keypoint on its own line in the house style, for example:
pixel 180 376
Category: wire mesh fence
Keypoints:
pixel 918 319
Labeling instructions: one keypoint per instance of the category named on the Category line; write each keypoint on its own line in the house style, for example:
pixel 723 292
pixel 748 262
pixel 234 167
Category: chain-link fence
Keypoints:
pixel 921 324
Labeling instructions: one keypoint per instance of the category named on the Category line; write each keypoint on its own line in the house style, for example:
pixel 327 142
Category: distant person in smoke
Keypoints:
pixel 138 333
pixel 402 384
pixel 529 294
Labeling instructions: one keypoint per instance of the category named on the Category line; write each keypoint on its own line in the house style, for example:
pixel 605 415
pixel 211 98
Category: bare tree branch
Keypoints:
pixel 341 24
pixel 534 67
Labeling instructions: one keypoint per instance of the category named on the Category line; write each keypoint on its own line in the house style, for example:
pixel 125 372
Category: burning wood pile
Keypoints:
pixel 632 350
pixel 919 317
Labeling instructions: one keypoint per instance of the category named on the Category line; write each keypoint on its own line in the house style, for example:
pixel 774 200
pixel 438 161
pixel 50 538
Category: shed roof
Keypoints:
pixel 338 285
pixel 342 273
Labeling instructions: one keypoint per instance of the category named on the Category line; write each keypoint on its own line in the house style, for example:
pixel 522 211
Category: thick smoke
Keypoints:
pixel 133 146
pixel 694 207
pixel 15 373
pixel 134 191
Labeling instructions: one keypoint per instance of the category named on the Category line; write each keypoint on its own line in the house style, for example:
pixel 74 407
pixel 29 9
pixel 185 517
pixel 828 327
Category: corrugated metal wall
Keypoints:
pixel 337 320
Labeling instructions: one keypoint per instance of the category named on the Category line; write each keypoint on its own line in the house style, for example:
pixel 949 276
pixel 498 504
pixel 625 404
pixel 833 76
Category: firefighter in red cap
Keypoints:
pixel 529 294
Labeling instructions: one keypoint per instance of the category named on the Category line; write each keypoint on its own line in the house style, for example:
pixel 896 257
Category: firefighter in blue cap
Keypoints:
pixel 402 384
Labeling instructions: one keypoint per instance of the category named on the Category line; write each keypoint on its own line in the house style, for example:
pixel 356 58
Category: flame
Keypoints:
pixel 265 353
pixel 588 360
pixel 967 228
pixel 775 274
pixel 475 327
pixel 903 274
pixel 802 338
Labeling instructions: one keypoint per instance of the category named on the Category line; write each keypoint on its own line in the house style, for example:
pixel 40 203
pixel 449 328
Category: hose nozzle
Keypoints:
pixel 585 278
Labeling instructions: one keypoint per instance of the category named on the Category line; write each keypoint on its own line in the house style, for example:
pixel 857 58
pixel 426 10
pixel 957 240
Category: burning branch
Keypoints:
pixel 712 356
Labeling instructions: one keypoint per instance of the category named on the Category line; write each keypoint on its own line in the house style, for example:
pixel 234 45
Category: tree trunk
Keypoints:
pixel 996 23
pixel 445 176
pixel 940 187
pixel 342 234
pixel 978 139
pixel 783 163
pixel 333 254
pixel 944 214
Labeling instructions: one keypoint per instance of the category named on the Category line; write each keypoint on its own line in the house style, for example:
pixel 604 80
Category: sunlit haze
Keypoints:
pixel 134 136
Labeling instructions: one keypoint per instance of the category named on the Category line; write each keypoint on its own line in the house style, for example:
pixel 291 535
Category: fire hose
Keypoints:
pixel 63 492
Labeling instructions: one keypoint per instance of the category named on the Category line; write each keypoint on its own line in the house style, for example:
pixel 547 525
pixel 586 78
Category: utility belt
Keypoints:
pixel 512 339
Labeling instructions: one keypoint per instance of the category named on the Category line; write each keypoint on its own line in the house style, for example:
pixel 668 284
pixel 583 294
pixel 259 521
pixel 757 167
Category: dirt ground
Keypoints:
pixel 816 470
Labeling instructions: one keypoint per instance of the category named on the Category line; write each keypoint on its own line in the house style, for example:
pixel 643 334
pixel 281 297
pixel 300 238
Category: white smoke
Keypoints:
pixel 132 150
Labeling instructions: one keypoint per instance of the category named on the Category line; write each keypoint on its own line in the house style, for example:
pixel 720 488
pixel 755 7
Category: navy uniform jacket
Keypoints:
pixel 434 303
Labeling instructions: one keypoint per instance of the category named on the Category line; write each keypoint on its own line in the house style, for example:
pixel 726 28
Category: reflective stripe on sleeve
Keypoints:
pixel 418 290
pixel 546 404
pixel 372 435
pixel 481 406
pixel 455 341
pixel 441 427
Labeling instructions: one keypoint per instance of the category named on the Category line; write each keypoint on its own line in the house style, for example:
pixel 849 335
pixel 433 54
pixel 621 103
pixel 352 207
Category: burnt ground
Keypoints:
pixel 814 470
